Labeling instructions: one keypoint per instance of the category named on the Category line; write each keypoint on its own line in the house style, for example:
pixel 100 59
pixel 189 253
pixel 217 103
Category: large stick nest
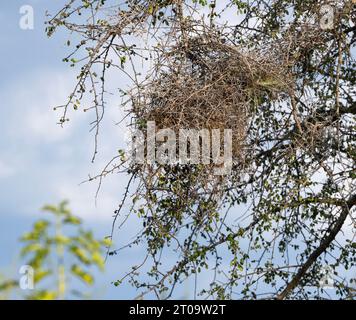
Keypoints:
pixel 207 83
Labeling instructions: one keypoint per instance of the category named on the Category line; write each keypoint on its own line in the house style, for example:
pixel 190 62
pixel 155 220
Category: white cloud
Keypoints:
pixel 83 203
pixel 51 161
pixel 6 169
pixel 31 103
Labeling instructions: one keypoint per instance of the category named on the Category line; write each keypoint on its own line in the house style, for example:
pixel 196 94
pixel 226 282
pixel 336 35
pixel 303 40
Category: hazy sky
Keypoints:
pixel 40 162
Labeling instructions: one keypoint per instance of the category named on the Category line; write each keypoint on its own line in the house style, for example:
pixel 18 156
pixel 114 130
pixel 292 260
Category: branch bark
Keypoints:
pixel 318 251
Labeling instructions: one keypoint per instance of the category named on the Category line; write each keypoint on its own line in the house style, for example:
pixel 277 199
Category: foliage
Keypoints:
pixel 268 229
pixel 59 251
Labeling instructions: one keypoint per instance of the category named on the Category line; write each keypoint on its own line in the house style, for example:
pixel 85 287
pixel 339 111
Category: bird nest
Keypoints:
pixel 206 83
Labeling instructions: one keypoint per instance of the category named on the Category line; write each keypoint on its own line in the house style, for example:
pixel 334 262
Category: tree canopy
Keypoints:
pixel 286 210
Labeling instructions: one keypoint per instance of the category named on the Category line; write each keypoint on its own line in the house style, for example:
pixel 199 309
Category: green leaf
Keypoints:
pixel 80 254
pixel 32 247
pixel 7 285
pixel 41 274
pixel 72 220
pixel 43 295
pixel 81 274
pixel 98 260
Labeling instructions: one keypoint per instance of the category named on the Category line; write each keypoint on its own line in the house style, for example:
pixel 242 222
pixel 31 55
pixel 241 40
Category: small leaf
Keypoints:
pixel 81 274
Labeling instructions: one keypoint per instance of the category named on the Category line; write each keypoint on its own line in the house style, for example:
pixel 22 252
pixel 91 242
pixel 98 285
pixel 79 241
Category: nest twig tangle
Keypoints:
pixel 207 82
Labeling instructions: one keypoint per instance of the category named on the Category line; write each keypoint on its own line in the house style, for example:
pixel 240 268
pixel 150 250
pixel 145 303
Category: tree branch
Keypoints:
pixel 322 247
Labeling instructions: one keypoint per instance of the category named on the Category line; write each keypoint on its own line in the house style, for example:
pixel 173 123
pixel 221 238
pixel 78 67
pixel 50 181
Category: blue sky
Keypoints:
pixel 40 162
